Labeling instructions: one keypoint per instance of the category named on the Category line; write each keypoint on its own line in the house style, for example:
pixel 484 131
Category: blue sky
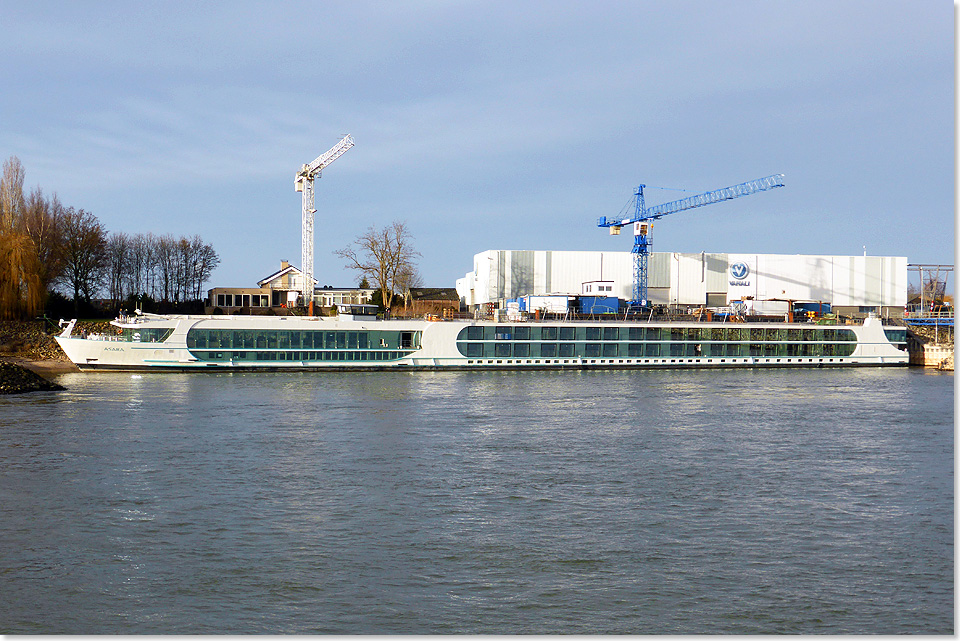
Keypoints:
pixel 490 125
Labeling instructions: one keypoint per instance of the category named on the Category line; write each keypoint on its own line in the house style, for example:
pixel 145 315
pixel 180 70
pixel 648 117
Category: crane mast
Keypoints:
pixel 304 183
pixel 643 225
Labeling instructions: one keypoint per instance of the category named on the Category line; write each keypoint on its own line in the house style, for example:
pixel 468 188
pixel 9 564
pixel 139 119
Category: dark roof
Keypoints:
pixel 434 293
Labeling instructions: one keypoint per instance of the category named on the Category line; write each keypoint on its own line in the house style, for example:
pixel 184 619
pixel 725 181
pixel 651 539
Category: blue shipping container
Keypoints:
pixel 599 305
pixel 821 308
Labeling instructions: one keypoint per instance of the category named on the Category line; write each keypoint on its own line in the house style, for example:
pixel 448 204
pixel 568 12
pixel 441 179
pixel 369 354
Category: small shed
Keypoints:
pixel 438 301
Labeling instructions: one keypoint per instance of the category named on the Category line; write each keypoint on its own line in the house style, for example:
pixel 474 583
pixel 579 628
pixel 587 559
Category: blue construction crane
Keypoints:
pixel 642 225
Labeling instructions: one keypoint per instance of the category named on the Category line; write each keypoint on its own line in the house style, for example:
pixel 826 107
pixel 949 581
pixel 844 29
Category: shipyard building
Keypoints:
pixel 849 285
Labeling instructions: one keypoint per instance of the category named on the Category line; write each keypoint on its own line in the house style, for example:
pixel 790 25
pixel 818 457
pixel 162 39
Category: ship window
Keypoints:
pixel 521 333
pixel 611 333
pixel 592 349
pixel 566 349
pixel 475 333
pixel 653 334
pixel 522 349
pixel 548 350
pixel 567 334
pixel 652 349
pixel 610 349
pixel 593 333
pixel 502 349
pixel 548 333
pixel 845 349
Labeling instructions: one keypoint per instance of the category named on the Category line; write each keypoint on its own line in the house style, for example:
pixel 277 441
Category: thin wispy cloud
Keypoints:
pixel 489 124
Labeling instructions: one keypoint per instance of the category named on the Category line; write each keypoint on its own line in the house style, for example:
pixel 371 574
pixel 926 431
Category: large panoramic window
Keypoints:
pixel 591 341
pixel 293 345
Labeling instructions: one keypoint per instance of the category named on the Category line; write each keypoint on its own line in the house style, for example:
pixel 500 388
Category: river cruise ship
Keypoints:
pixel 356 339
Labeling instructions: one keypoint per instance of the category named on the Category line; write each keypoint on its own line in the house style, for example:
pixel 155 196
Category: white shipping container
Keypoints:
pixel 764 307
pixel 550 304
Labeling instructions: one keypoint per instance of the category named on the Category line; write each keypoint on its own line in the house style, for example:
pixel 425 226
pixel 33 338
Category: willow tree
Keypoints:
pixel 21 290
pixel 21 293
pixel 384 256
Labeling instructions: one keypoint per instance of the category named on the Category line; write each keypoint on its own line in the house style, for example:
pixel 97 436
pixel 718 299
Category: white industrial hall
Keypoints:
pixel 849 284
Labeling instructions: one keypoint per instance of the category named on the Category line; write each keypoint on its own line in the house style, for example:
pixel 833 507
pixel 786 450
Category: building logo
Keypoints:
pixel 739 270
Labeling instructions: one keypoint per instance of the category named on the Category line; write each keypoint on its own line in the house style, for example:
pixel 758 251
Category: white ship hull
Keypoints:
pixel 229 343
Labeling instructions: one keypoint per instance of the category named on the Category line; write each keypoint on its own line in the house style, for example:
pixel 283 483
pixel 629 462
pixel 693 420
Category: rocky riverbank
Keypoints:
pixel 935 335
pixel 931 347
pixel 30 357
pixel 33 340
pixel 16 379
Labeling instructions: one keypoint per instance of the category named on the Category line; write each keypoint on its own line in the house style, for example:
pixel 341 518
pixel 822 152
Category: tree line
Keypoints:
pixel 49 249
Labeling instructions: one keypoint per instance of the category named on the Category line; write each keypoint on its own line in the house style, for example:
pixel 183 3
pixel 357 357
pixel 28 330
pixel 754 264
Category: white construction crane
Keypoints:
pixel 304 183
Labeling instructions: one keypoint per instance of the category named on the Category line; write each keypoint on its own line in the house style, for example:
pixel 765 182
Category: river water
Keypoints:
pixel 643 502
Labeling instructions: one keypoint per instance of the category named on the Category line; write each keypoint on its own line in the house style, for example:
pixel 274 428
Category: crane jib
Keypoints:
pixel 718 195
pixel 642 245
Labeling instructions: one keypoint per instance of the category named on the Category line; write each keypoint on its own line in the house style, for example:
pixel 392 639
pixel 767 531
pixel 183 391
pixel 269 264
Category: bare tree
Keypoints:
pixel 408 277
pixel 168 268
pixel 42 221
pixel 165 259
pixel 382 255
pixel 139 262
pixel 84 244
pixel 118 251
pixel 206 260
pixel 11 195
